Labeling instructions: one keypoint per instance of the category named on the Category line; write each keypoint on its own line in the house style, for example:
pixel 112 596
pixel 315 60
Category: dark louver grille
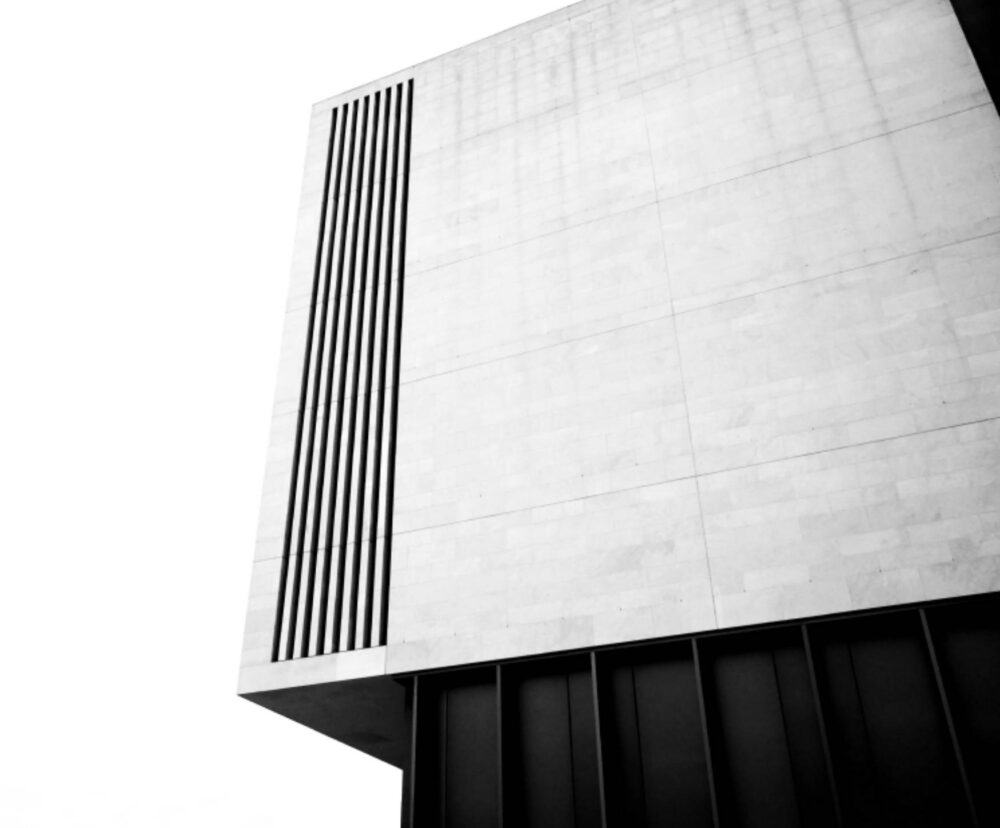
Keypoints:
pixel 334 587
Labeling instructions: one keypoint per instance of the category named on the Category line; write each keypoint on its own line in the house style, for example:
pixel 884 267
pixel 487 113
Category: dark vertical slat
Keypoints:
pixel 704 731
pixel 787 735
pixel 571 756
pixel 296 453
pixel 658 774
pixel 383 349
pixel 468 749
pixel 597 736
pixel 625 774
pixel 394 411
pixel 404 800
pixel 335 460
pixel 376 316
pixel 414 735
pixel 342 202
pixel 338 600
pixel 325 408
pixel 583 746
pixel 352 414
pixel 633 685
pixel 499 683
pixel 848 734
pixel 363 402
pixel 442 759
pixel 949 719
pixel 821 720
pixel 967 644
pixel 307 478
pixel 308 482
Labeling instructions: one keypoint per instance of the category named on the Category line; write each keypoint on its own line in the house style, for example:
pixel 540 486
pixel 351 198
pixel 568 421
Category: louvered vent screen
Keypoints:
pixel 334 586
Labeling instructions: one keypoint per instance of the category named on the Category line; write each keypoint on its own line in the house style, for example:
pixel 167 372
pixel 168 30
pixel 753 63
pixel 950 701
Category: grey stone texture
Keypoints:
pixel 702 329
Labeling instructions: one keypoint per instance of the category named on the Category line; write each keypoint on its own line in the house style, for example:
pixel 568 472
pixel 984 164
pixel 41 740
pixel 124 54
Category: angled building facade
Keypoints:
pixel 636 446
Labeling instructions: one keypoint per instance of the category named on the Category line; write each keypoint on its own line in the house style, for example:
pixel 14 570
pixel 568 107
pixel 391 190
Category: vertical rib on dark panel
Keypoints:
pixel 394 411
pixel 602 797
pixel 340 495
pixel 821 723
pixel 500 760
pixel 949 718
pixel 293 485
pixel 703 710
pixel 409 807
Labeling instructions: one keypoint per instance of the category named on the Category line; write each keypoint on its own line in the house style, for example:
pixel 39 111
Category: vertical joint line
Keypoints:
pixel 499 700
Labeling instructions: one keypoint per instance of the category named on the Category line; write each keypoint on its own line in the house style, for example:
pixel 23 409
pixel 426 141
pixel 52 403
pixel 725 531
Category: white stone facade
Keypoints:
pixel 701 329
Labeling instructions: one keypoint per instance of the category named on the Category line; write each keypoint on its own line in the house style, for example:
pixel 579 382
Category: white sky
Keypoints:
pixel 150 162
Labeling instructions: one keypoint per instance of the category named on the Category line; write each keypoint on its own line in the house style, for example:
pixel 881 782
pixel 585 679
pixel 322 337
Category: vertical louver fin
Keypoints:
pixel 334 581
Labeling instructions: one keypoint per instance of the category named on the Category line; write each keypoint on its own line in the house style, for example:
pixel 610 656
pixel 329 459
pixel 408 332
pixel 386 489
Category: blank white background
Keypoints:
pixel 149 174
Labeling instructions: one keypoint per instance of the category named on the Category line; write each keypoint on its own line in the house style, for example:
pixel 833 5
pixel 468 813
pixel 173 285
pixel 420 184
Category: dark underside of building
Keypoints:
pixel 880 718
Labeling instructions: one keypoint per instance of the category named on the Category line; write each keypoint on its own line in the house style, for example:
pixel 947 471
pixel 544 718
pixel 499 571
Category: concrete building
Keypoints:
pixel 637 432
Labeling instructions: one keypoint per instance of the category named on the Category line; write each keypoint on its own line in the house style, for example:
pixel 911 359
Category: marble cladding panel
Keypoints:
pixel 880 351
pixel 608 567
pixel 590 415
pixel 878 199
pixel 550 173
pixel 702 327
pixel 802 97
pixel 562 286
pixel 892 521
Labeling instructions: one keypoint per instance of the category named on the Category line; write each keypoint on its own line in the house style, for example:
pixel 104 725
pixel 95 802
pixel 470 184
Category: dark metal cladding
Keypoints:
pixel 885 717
